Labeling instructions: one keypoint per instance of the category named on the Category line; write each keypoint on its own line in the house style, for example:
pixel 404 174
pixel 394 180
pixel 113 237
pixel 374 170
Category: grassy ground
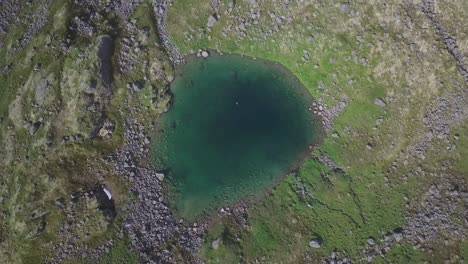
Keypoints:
pixel 121 252
pixel 364 53
pixel 404 254
pixel 36 169
pixel 369 51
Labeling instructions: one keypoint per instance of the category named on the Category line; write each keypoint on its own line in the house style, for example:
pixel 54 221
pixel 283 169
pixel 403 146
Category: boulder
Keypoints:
pixel 314 243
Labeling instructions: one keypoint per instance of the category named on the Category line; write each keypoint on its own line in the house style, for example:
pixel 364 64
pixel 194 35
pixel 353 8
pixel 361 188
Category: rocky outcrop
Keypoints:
pixel 8 11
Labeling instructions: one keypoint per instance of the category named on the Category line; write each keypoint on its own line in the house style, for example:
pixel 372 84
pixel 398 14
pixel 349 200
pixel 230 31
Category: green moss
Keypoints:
pixel 228 248
pixel 121 253
pixel 403 254
pixel 337 212
pixel 460 140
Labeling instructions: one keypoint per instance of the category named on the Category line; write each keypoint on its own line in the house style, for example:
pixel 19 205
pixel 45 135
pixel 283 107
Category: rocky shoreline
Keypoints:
pixel 160 8
pixel 150 223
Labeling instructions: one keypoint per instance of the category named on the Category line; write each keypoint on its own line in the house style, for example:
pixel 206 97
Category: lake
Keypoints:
pixel 236 127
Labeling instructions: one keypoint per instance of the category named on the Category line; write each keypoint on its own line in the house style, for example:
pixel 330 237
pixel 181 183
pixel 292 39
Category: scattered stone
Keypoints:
pixel 136 86
pixel 107 129
pixel 329 163
pixel 364 61
pixel 328 115
pixel 37 67
pixel 32 127
pixel 82 27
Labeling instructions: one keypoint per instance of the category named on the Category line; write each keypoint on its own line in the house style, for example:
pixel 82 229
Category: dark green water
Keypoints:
pixel 236 126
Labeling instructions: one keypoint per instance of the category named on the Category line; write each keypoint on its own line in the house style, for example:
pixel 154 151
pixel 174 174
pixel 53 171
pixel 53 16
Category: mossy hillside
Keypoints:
pixel 23 59
pixel 38 169
pixel 121 252
pixel 153 71
pixel 363 53
pixel 18 228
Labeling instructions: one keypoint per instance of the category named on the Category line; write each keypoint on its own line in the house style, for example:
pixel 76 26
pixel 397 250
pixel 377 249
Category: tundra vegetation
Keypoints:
pixel 83 84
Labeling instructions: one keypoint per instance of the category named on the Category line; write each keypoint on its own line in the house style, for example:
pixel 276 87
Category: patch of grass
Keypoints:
pixel 336 211
pixel 402 254
pixel 460 139
pixel 228 249
pixel 121 253
pixel 465 251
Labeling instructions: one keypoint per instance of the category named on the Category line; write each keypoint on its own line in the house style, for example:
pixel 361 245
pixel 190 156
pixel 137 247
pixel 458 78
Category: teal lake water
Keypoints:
pixel 235 128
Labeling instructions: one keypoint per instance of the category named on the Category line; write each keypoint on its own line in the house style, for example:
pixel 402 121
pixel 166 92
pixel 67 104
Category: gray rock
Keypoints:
pixel 215 244
pixel 212 20
pixel 314 243
pixel 380 102
pixel 160 176
pixel 379 121
pixel 41 90
pixel 398 237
